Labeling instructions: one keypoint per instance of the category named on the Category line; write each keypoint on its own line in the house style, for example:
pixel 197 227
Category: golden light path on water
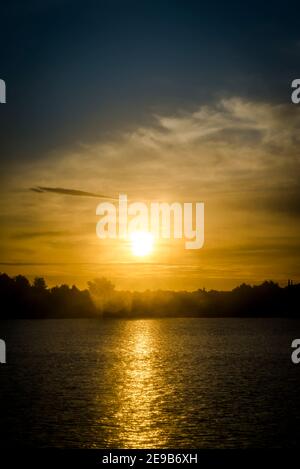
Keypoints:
pixel 139 392
pixel 136 378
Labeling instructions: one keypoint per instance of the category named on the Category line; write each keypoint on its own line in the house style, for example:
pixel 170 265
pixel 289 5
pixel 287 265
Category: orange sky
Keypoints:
pixel 239 157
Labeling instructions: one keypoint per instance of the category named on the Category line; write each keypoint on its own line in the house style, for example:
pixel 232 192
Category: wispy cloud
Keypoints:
pixel 74 192
pixel 233 146
pixel 38 234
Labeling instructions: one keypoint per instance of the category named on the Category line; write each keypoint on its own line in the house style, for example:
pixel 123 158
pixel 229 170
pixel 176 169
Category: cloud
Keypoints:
pixel 38 234
pixel 231 144
pixel 76 192
pixel 234 152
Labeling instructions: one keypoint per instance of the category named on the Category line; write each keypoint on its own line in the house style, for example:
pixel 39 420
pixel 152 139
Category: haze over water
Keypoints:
pixel 181 383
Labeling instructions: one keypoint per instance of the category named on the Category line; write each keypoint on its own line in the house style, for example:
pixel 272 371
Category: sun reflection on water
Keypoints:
pixel 139 391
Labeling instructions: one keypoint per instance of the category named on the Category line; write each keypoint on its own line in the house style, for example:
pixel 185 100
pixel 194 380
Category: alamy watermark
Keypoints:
pixel 2 92
pixel 2 101
pixel 295 357
pixel 159 219
pixel 295 96
pixel 2 351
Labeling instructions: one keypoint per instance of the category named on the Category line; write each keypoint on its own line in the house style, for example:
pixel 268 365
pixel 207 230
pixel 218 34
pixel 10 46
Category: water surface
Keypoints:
pixel 171 383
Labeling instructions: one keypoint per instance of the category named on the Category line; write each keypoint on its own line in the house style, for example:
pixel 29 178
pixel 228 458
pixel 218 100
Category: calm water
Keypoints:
pixel 150 383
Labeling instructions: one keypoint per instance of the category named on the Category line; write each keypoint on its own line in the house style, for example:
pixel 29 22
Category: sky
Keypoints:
pixel 161 100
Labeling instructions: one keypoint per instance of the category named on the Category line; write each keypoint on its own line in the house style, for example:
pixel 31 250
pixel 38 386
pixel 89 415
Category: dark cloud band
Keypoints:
pixel 75 192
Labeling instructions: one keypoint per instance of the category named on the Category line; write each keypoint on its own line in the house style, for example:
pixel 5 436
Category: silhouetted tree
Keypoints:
pixel 20 299
pixel 39 283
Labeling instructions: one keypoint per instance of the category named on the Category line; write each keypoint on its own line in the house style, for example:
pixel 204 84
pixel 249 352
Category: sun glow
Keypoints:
pixel 141 243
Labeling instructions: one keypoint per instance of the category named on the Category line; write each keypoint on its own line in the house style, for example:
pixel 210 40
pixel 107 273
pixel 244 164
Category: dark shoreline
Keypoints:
pixel 21 299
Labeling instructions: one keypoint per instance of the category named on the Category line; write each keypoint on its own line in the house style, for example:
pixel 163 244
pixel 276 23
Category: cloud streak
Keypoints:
pixel 73 192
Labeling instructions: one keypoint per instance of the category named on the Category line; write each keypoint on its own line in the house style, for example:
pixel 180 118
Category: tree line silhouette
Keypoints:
pixel 21 299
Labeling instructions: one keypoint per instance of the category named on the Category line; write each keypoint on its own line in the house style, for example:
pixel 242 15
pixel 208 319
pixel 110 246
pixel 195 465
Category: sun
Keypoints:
pixel 141 243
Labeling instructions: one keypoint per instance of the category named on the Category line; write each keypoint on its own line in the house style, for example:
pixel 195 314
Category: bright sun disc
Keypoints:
pixel 141 243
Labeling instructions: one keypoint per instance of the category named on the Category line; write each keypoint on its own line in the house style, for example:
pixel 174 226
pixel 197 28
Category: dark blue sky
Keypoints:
pixel 77 70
